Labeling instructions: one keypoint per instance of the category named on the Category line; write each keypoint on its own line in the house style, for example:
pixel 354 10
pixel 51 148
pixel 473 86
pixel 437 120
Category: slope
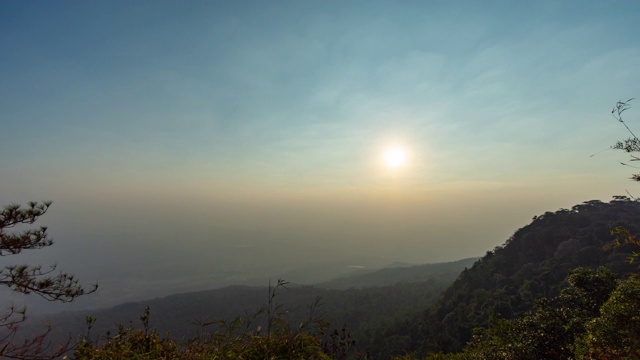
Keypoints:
pixel 365 311
pixel 531 264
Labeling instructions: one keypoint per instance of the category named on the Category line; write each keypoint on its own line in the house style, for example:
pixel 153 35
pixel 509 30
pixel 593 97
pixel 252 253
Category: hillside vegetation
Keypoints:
pixel 558 288
pixel 533 263
pixel 364 305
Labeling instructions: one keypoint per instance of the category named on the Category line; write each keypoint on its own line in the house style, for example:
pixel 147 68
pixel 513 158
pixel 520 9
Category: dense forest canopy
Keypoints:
pixel 532 264
pixel 430 309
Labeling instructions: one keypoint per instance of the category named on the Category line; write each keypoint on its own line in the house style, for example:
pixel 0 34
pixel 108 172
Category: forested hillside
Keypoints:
pixel 416 317
pixel 533 263
pixel 365 305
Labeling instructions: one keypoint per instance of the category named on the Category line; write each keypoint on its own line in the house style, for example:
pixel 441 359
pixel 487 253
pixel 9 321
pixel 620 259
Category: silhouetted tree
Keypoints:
pixel 630 145
pixel 30 279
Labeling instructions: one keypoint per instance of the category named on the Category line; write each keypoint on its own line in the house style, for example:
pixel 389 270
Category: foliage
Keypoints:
pixel 367 313
pixel 533 264
pixel 30 279
pixel 551 331
pixel 237 339
pixel 632 144
pixel 128 343
pixel 594 317
pixel 615 334
pixel 624 236
pixel 501 293
pixel 131 343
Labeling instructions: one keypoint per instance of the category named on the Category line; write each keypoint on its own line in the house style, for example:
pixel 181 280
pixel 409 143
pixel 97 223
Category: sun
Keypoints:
pixel 395 157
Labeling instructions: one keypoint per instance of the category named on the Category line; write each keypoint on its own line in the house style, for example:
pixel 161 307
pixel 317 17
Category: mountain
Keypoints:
pixel 401 273
pixel 367 304
pixel 410 309
pixel 531 264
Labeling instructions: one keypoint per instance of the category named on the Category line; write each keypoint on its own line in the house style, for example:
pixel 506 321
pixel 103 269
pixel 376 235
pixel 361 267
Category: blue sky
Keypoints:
pixel 272 116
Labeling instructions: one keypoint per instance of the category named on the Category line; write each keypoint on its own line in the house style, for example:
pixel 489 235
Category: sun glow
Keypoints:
pixel 395 157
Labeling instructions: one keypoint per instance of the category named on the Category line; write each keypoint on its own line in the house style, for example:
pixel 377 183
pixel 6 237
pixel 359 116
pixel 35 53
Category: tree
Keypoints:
pixel 632 144
pixel 551 331
pixel 30 279
pixel 616 333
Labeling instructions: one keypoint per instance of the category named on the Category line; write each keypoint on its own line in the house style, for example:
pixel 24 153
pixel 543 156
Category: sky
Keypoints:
pixel 194 132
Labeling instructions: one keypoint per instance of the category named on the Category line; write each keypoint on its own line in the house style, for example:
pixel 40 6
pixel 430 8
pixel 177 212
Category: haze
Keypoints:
pixel 195 144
